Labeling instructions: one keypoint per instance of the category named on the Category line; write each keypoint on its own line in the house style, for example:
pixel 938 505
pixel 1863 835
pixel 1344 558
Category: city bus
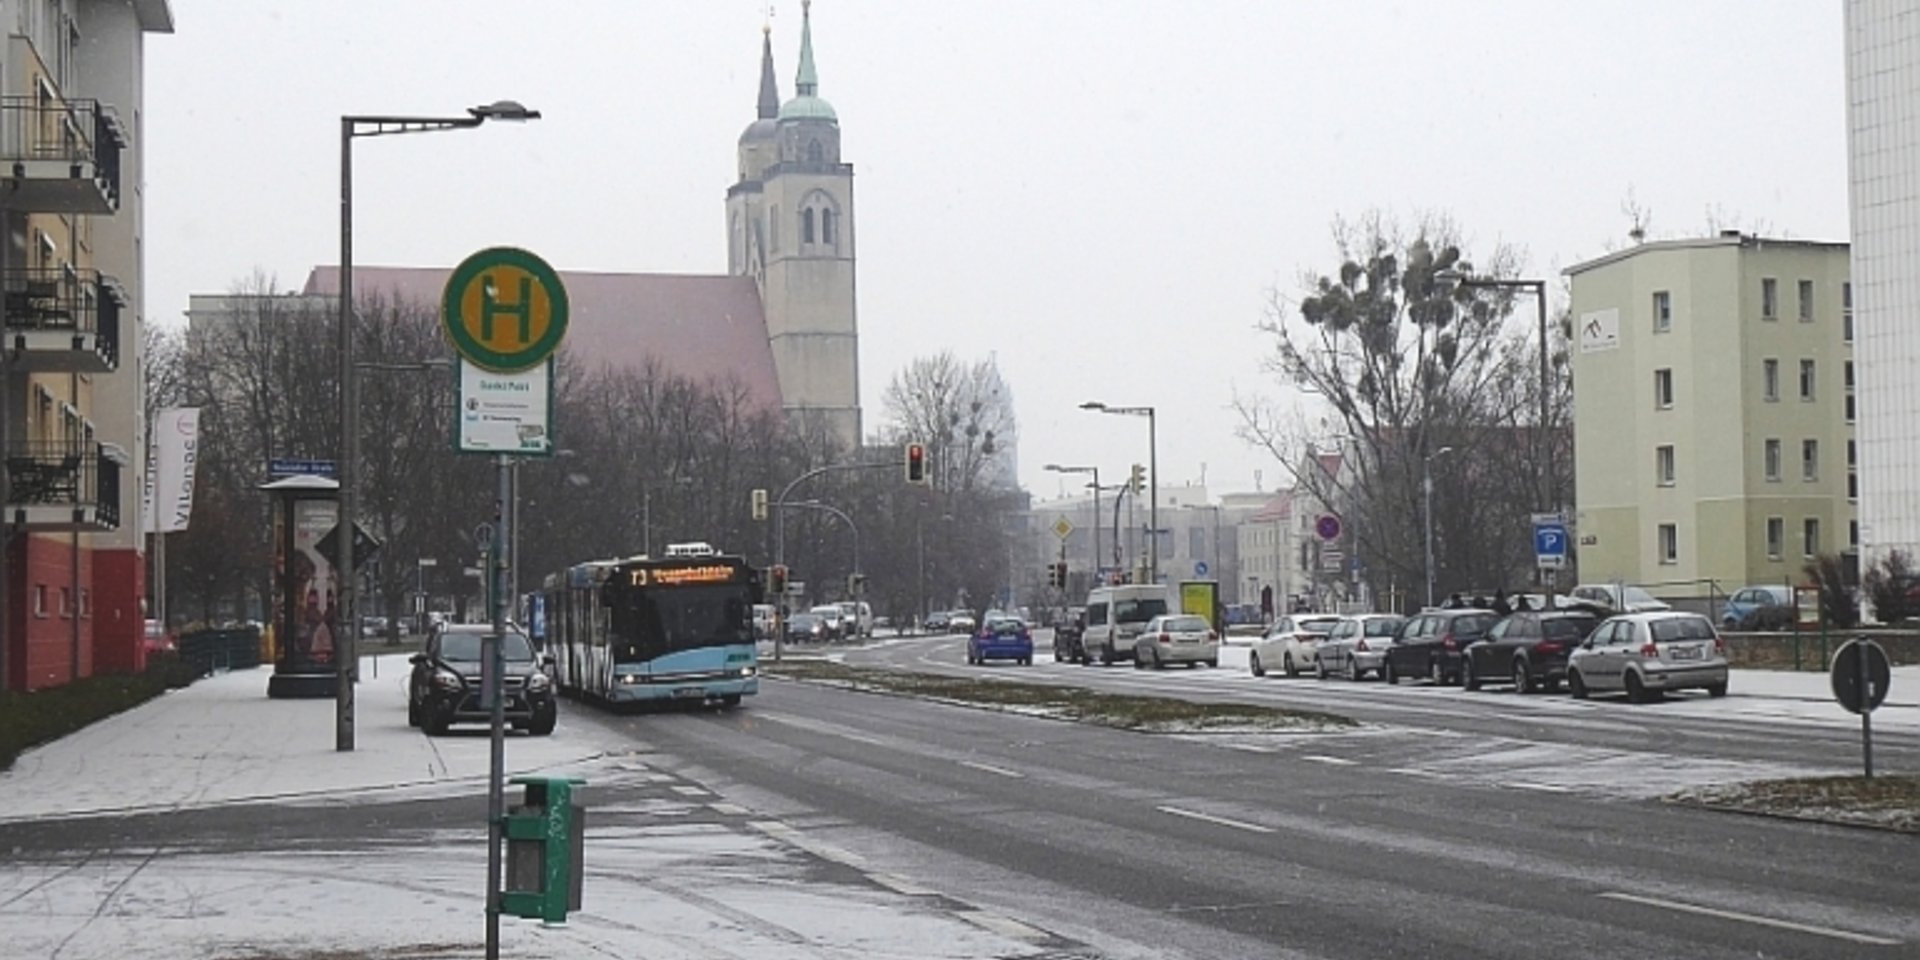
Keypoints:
pixel 677 628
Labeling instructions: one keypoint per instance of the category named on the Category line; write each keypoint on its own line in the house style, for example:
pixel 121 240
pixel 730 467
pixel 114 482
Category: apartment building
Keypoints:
pixel 71 412
pixel 1713 410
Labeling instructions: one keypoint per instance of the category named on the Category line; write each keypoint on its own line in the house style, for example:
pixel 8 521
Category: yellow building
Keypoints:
pixel 1713 411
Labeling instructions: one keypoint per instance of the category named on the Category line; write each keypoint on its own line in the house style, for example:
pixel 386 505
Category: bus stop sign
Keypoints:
pixel 504 310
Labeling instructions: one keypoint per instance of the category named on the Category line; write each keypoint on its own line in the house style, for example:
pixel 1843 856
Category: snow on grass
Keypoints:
pixel 1888 802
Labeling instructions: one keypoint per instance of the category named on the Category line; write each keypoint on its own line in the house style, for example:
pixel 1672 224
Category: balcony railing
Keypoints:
pixel 63 486
pixel 65 320
pixel 61 156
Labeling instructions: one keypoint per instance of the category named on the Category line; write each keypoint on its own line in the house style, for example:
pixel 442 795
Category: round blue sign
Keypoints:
pixel 1328 527
pixel 1199 568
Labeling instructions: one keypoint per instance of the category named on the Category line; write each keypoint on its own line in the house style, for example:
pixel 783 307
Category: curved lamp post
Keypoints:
pixel 1153 478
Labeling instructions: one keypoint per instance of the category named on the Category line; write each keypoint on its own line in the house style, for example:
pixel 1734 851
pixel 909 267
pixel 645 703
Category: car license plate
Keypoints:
pixel 688 693
pixel 1686 653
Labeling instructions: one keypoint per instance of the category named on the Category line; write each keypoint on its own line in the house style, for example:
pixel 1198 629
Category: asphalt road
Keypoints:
pixel 1356 845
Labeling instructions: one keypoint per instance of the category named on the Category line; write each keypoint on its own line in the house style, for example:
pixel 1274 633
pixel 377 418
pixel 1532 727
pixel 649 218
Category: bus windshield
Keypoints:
pixel 652 622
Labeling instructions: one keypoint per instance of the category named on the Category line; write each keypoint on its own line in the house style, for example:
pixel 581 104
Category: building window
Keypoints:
pixel 40 600
pixel 1773 460
pixel 1770 380
pixel 1810 535
pixel 1849 406
pixel 1846 374
pixel 1662 311
pixel 1776 537
pixel 1669 543
pixel 826 227
pixel 815 153
pixel 1853 533
pixel 806 225
pixel 1806 301
pixel 1663 389
pixel 66 603
pixel 1663 465
pixel 1853 485
pixel 1846 311
pixel 1809 459
pixel 1769 299
pixel 1853 458
pixel 1806 379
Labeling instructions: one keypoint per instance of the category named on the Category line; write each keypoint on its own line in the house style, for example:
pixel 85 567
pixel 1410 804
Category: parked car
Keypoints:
pixel 1619 598
pixel 1116 616
pixel 1647 654
pixel 939 621
pixel 1530 648
pixel 1176 638
pixel 1004 637
pixel 445 686
pixel 159 639
pixel 835 619
pixel 1430 644
pixel 1290 643
pixel 807 628
pixel 1748 601
pixel 1357 645
pixel 961 621
pixel 1068 632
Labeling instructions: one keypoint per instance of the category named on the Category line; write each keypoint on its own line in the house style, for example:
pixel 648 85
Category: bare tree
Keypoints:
pixel 963 412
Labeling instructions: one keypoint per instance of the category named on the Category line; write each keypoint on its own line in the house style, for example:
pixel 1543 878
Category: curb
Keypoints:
pixel 1790 816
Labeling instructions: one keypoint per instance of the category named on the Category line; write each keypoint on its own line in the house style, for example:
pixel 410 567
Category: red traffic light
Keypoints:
pixel 916 463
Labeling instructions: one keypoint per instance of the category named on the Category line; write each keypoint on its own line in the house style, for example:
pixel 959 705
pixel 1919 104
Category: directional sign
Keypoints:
pixel 1062 529
pixel 504 310
pixel 1199 568
pixel 1332 561
pixel 1550 540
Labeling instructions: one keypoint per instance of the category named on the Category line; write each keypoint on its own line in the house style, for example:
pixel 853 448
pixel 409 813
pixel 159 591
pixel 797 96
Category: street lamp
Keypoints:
pixel 352 126
pixel 1426 482
pixel 1539 289
pixel 835 511
pixel 1095 471
pixel 1153 477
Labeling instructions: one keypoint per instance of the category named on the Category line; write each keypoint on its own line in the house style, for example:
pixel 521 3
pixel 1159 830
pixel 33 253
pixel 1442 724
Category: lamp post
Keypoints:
pixel 1426 483
pixel 1153 477
pixel 352 126
pixel 1539 289
pixel 836 511
pixel 1095 471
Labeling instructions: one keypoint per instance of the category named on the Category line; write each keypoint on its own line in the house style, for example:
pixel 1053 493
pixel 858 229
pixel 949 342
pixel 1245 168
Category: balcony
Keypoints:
pixel 60 156
pixel 54 487
pixel 61 321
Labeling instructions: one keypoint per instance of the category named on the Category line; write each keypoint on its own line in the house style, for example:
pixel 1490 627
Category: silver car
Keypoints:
pixel 1647 654
pixel 1176 638
pixel 1357 645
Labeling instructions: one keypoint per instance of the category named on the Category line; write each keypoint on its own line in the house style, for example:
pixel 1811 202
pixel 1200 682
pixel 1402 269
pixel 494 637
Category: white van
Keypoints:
pixel 1115 617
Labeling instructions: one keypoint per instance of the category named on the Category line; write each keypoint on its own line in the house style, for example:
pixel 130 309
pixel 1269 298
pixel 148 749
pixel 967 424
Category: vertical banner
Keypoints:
pixel 172 451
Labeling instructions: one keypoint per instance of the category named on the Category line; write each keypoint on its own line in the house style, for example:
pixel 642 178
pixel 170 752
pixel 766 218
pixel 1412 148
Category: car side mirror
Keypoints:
pixel 417 659
pixel 1586 645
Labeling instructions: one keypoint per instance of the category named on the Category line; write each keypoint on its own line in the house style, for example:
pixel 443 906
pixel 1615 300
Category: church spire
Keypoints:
pixel 769 89
pixel 807 82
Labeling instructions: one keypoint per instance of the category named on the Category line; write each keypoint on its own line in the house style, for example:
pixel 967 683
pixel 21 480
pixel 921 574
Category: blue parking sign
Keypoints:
pixel 1550 540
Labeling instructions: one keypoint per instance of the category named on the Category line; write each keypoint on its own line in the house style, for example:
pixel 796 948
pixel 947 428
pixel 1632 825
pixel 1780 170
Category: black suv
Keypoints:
pixel 1430 643
pixel 445 686
pixel 1529 648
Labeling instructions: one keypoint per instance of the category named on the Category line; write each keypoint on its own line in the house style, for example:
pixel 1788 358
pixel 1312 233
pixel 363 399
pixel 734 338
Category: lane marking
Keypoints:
pixel 728 809
pixel 1323 758
pixel 1250 747
pixel 989 768
pixel 901 885
pixel 1210 818
pixel 1005 926
pixel 1679 907
pixel 1414 772
pixel 1541 787
pixel 687 791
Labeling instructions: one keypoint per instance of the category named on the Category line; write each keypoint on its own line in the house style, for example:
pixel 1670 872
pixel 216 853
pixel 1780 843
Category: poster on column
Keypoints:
pixel 309 589
pixel 172 451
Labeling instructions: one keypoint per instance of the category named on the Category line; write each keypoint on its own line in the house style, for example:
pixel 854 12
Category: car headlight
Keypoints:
pixel 539 683
pixel 628 678
pixel 447 680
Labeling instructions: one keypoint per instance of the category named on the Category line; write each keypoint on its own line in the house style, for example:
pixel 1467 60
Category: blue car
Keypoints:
pixel 1001 638
pixel 1748 599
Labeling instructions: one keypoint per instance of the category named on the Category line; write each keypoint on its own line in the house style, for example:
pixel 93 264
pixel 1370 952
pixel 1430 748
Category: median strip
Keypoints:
pixel 1146 714
pixel 1885 802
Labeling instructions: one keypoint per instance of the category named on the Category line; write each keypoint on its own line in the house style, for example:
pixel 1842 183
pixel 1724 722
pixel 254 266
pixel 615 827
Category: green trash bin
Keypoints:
pixel 546 838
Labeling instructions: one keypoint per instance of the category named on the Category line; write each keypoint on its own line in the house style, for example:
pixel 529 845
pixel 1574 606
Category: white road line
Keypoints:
pixel 687 791
pixel 1541 787
pixel 1249 747
pixel 989 768
pixel 1750 918
pixel 1005 926
pixel 1412 772
pixel 1323 758
pixel 728 809
pixel 1210 818
pixel 901 885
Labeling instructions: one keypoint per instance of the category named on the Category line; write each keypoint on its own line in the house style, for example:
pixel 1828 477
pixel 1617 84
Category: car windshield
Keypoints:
pixel 1562 628
pixel 1681 628
pixel 1138 611
pixel 1186 624
pixel 1319 625
pixel 1637 595
pixel 465 648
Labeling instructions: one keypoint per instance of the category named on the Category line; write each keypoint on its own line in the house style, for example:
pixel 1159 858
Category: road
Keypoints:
pixel 1369 844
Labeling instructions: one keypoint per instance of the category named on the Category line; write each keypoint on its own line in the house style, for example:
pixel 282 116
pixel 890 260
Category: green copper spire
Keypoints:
pixel 807 83
pixel 769 90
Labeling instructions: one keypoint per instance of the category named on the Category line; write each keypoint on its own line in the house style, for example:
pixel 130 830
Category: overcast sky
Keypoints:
pixel 1102 194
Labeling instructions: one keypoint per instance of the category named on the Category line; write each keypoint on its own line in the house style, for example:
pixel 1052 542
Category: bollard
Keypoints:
pixel 546 839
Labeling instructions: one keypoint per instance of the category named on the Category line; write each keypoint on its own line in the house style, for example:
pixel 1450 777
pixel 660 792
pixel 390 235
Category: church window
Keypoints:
pixel 814 153
pixel 826 226
pixel 806 225
pixel 773 229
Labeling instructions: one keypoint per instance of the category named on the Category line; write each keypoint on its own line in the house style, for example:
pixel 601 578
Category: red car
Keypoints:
pixel 159 639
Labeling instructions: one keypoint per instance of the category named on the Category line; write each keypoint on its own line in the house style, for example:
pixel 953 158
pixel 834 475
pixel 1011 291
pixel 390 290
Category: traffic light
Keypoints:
pixel 1057 575
pixel 1136 479
pixel 854 582
pixel 917 463
pixel 760 503
pixel 777 579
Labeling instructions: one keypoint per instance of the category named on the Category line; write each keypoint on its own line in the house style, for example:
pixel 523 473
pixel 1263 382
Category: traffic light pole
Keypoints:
pixel 780 539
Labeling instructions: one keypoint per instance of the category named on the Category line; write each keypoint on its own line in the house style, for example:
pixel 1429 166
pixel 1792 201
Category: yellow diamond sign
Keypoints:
pixel 1061 528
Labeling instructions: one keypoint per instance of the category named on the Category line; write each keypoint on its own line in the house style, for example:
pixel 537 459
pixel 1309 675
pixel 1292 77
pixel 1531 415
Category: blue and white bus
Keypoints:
pixel 674 628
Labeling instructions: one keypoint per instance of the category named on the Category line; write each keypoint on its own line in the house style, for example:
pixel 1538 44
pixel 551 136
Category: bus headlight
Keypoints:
pixel 629 679
pixel 749 671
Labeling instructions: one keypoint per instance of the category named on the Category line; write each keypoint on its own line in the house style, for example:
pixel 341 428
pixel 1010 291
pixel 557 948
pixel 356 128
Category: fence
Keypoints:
pixel 211 651
pixel 1812 649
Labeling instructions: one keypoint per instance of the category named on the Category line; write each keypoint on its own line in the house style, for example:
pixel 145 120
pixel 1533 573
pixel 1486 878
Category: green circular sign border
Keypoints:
pixel 473 350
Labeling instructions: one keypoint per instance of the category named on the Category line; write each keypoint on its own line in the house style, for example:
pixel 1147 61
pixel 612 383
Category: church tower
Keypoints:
pixel 790 227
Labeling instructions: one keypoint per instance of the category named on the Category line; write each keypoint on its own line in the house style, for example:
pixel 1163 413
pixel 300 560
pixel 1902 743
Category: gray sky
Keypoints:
pixel 1102 193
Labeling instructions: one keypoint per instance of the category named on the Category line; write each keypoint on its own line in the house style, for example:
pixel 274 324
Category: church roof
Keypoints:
pixel 701 327
pixel 806 103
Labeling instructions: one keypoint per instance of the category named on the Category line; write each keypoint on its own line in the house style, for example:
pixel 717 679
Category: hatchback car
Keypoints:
pixel 1357 645
pixel 838 625
pixel 445 686
pixel 1618 598
pixel 1431 643
pixel 1645 654
pixel 806 628
pixel 1176 638
pixel 1530 648
pixel 1749 600
pixel 961 621
pixel 1001 638
pixel 1290 643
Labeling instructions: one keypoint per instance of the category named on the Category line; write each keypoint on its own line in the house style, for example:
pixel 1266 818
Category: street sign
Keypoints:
pixel 1332 561
pixel 1848 676
pixel 1550 540
pixel 1327 526
pixel 504 310
pixel 364 545
pixel 504 412
pixel 1199 568
pixel 280 468
pixel 1062 529
pixel 483 536
pixel 428 561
